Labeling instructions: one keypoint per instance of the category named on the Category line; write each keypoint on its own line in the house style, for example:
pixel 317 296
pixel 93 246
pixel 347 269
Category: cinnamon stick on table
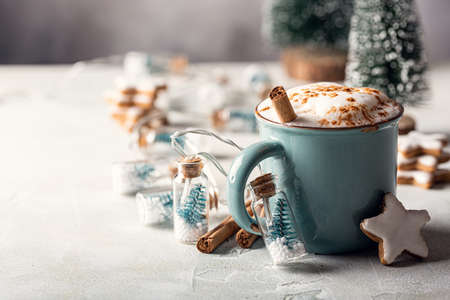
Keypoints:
pixel 213 200
pixel 282 105
pixel 213 238
pixel 246 239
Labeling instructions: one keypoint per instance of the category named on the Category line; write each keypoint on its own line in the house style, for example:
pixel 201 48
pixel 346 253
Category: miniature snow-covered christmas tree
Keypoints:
pixel 281 225
pixel 276 221
pixel 194 206
pixel 313 35
pixel 191 201
pixel 386 51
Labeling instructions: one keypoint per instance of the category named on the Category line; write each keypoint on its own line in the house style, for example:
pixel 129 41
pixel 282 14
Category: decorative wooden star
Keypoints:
pixel 396 230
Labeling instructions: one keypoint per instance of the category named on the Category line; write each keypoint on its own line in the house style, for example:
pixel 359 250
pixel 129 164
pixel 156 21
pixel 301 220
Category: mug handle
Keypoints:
pixel 240 170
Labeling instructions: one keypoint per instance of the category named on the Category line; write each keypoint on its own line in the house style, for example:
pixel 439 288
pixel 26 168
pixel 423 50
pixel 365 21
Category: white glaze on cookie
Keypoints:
pixel 397 230
pixel 128 112
pixel 124 83
pixel 142 99
pixel 117 110
pixel 146 85
pixel 415 140
pixel 426 160
pixel 328 104
pixel 420 177
pixel 134 112
pixel 117 97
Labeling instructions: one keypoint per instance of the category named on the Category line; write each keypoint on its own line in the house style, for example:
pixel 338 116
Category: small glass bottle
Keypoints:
pixel 191 201
pixel 234 119
pixel 146 135
pixel 276 221
pixel 155 205
pixel 130 177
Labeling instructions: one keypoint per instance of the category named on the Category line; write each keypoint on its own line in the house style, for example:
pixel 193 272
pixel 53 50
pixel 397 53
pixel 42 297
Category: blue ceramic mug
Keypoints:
pixel 333 178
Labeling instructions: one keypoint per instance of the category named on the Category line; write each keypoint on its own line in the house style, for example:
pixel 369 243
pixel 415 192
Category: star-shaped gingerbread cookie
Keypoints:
pixel 396 230
pixel 417 143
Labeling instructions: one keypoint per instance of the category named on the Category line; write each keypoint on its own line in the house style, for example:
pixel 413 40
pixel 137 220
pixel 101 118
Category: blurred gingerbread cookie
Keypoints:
pixel 416 143
pixel 147 93
pixel 119 99
pixel 427 163
pixel 406 124
pixel 127 116
pixel 144 100
pixel 423 179
pixel 126 85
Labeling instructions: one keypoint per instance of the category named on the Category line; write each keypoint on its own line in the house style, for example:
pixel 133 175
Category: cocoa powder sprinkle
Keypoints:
pixel 332 110
pixel 324 122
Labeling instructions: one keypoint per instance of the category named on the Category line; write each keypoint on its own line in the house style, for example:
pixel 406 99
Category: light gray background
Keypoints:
pixel 61 31
pixel 65 235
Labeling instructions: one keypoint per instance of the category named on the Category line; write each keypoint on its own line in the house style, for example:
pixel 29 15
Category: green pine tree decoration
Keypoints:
pixel 282 225
pixel 310 23
pixel 386 51
pixel 194 206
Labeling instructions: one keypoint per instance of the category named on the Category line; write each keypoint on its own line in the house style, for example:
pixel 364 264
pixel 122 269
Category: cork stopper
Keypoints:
pixel 264 92
pixel 282 105
pixel 190 167
pixel 178 64
pixel 263 186
pixel 158 89
pixel 219 119
pixel 142 134
pixel 173 169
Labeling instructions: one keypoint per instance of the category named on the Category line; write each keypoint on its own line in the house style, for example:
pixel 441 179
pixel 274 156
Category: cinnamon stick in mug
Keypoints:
pixel 213 238
pixel 282 105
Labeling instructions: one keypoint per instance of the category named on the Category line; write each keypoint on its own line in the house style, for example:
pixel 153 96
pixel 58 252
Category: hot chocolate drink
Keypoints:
pixel 330 105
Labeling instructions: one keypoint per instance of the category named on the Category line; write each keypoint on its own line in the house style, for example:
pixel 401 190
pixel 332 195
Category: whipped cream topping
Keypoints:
pixel 327 104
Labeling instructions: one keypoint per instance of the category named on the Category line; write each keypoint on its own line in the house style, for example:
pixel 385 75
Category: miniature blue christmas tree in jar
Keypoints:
pixel 276 221
pixel 191 201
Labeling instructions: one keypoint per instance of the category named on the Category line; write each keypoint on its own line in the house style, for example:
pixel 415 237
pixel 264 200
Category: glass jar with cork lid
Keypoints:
pixel 191 200
pixel 276 221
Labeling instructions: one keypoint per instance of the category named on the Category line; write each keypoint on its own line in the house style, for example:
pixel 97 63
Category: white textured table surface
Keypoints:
pixel 65 235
